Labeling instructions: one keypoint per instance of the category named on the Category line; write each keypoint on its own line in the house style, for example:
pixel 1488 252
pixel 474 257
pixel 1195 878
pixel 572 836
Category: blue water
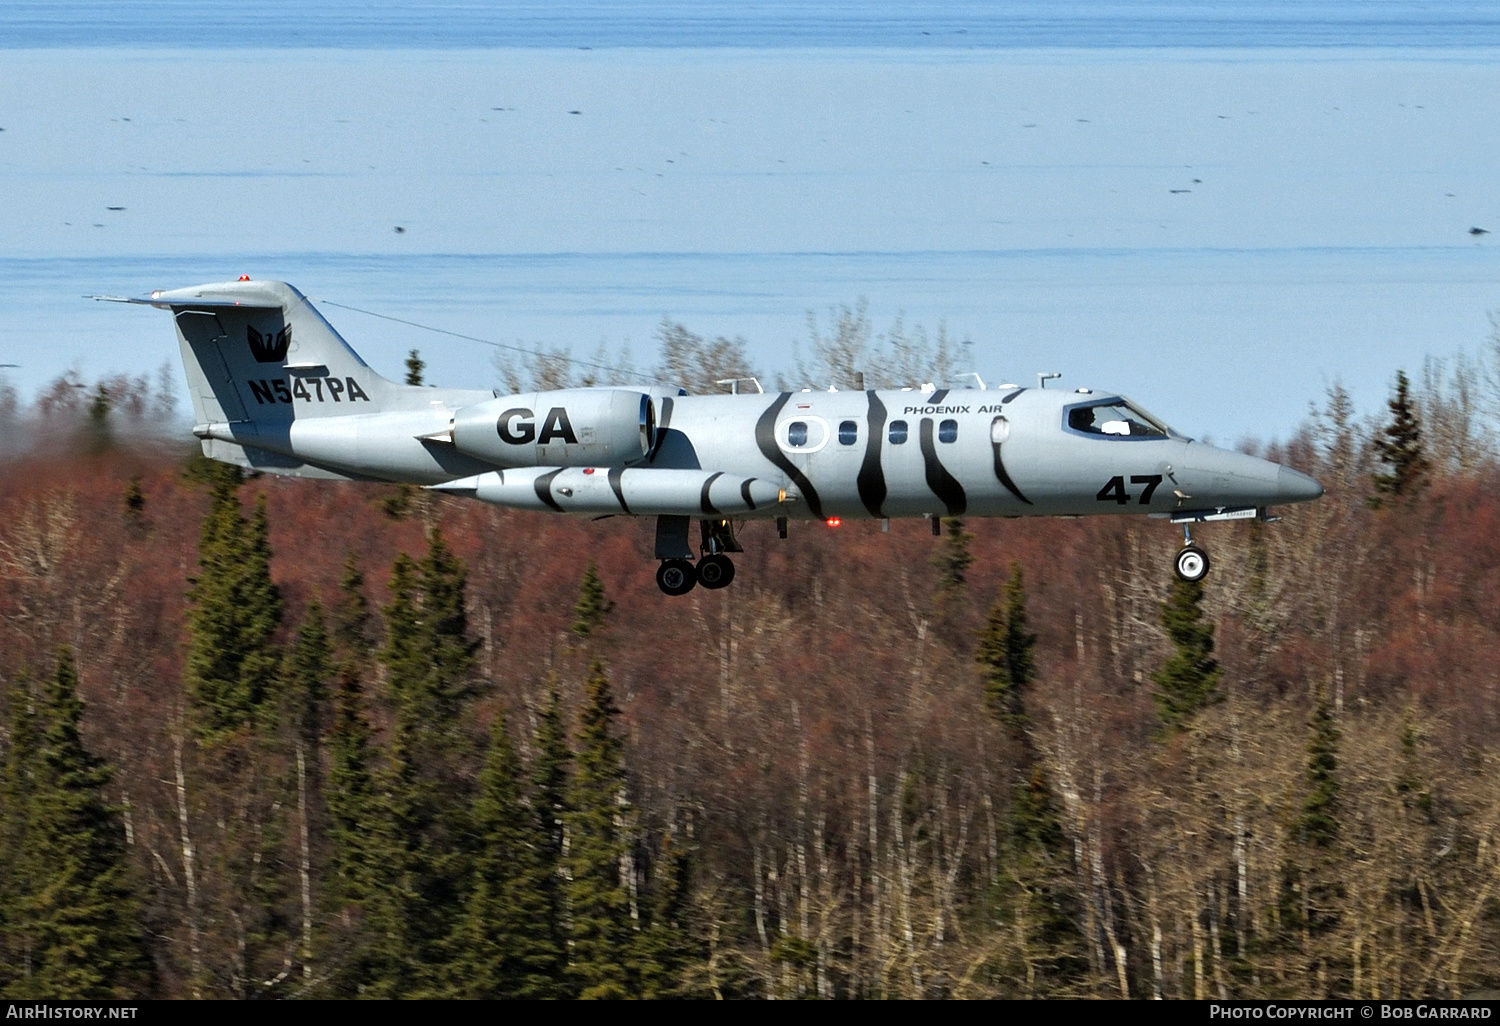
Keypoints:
pixel 930 24
pixel 1223 344
pixel 1217 207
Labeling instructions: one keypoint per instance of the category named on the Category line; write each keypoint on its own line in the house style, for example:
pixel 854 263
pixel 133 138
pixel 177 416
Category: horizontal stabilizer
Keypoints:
pixel 178 301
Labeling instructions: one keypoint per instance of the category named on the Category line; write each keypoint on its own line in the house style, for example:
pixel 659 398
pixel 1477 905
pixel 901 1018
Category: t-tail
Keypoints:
pixel 273 386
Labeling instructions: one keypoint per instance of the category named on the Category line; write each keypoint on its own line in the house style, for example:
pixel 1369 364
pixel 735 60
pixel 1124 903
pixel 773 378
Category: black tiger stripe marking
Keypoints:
pixel 943 484
pixel 937 397
pixel 765 440
pixel 544 489
pixel 615 474
pixel 871 480
pixel 1012 396
pixel 1005 477
pixel 703 500
pixel 745 492
pixel 661 428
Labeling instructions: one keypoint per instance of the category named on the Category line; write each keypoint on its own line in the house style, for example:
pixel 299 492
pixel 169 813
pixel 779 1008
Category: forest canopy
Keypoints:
pixel 278 738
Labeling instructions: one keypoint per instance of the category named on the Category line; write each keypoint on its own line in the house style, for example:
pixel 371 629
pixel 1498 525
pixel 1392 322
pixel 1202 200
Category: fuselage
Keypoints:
pixel 899 453
pixel 276 389
pixel 876 454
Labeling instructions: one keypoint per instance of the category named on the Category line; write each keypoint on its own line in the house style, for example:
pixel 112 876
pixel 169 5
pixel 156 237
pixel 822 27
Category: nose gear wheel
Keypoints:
pixel 1191 564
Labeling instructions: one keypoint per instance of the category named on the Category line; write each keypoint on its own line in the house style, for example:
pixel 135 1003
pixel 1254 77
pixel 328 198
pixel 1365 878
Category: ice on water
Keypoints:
pixel 1217 223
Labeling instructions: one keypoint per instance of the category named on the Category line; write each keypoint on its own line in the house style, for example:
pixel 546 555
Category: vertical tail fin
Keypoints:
pixel 265 369
pixel 258 351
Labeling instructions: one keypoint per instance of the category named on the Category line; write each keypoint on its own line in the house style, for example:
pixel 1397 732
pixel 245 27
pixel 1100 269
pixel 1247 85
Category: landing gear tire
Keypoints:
pixel 676 576
pixel 1191 564
pixel 715 571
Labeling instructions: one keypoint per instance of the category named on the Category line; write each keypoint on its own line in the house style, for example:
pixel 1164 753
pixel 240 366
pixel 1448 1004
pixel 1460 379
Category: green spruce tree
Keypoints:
pixel 359 859
pixel 664 946
pixel 428 654
pixel 98 435
pixel 351 616
pixel 428 779
pixel 444 580
pixel 598 819
pixel 414 367
pixel 1035 897
pixel 1410 783
pixel 1318 824
pixel 20 871
pixel 240 775
pixel 1401 447
pixel 1189 679
pixel 590 609
pixel 77 911
pixel 352 799
pixel 232 661
pixel 1313 890
pixel 504 946
pixel 550 782
pixel 305 675
pixel 308 666
pixel 406 638
pixel 953 557
pixel 401 948
pixel 1006 654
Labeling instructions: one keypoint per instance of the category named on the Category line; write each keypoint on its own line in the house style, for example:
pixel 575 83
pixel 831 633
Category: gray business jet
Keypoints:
pixel 276 389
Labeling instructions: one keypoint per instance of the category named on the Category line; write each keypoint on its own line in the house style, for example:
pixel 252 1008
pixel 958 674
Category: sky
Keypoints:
pixel 1218 230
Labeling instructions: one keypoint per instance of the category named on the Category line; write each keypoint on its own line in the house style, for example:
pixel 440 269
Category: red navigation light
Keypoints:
pixel 834 521
pixel 244 277
pixel 588 470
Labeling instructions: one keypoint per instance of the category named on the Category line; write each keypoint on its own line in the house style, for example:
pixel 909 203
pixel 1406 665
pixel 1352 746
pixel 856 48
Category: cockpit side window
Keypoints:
pixel 1115 418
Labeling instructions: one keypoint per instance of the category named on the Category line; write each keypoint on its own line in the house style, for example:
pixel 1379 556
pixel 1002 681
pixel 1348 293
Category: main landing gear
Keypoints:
pixel 1192 562
pixel 677 574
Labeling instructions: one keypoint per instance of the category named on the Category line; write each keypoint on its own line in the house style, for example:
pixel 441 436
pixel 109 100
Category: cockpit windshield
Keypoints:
pixel 1117 418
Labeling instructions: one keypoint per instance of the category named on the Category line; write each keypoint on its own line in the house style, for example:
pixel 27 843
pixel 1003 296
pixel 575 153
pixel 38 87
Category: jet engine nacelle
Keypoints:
pixel 573 427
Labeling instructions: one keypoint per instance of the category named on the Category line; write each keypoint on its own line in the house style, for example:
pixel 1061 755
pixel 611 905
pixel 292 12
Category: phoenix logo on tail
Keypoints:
pixel 268 348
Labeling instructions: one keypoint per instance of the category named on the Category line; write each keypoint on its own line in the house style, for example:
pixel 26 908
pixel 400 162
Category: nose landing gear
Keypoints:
pixel 1192 562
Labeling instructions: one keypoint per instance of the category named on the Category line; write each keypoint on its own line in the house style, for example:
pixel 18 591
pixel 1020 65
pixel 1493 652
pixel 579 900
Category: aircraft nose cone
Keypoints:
pixel 1294 486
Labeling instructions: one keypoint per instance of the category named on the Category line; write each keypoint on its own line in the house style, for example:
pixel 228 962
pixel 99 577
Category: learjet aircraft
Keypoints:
pixel 275 389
